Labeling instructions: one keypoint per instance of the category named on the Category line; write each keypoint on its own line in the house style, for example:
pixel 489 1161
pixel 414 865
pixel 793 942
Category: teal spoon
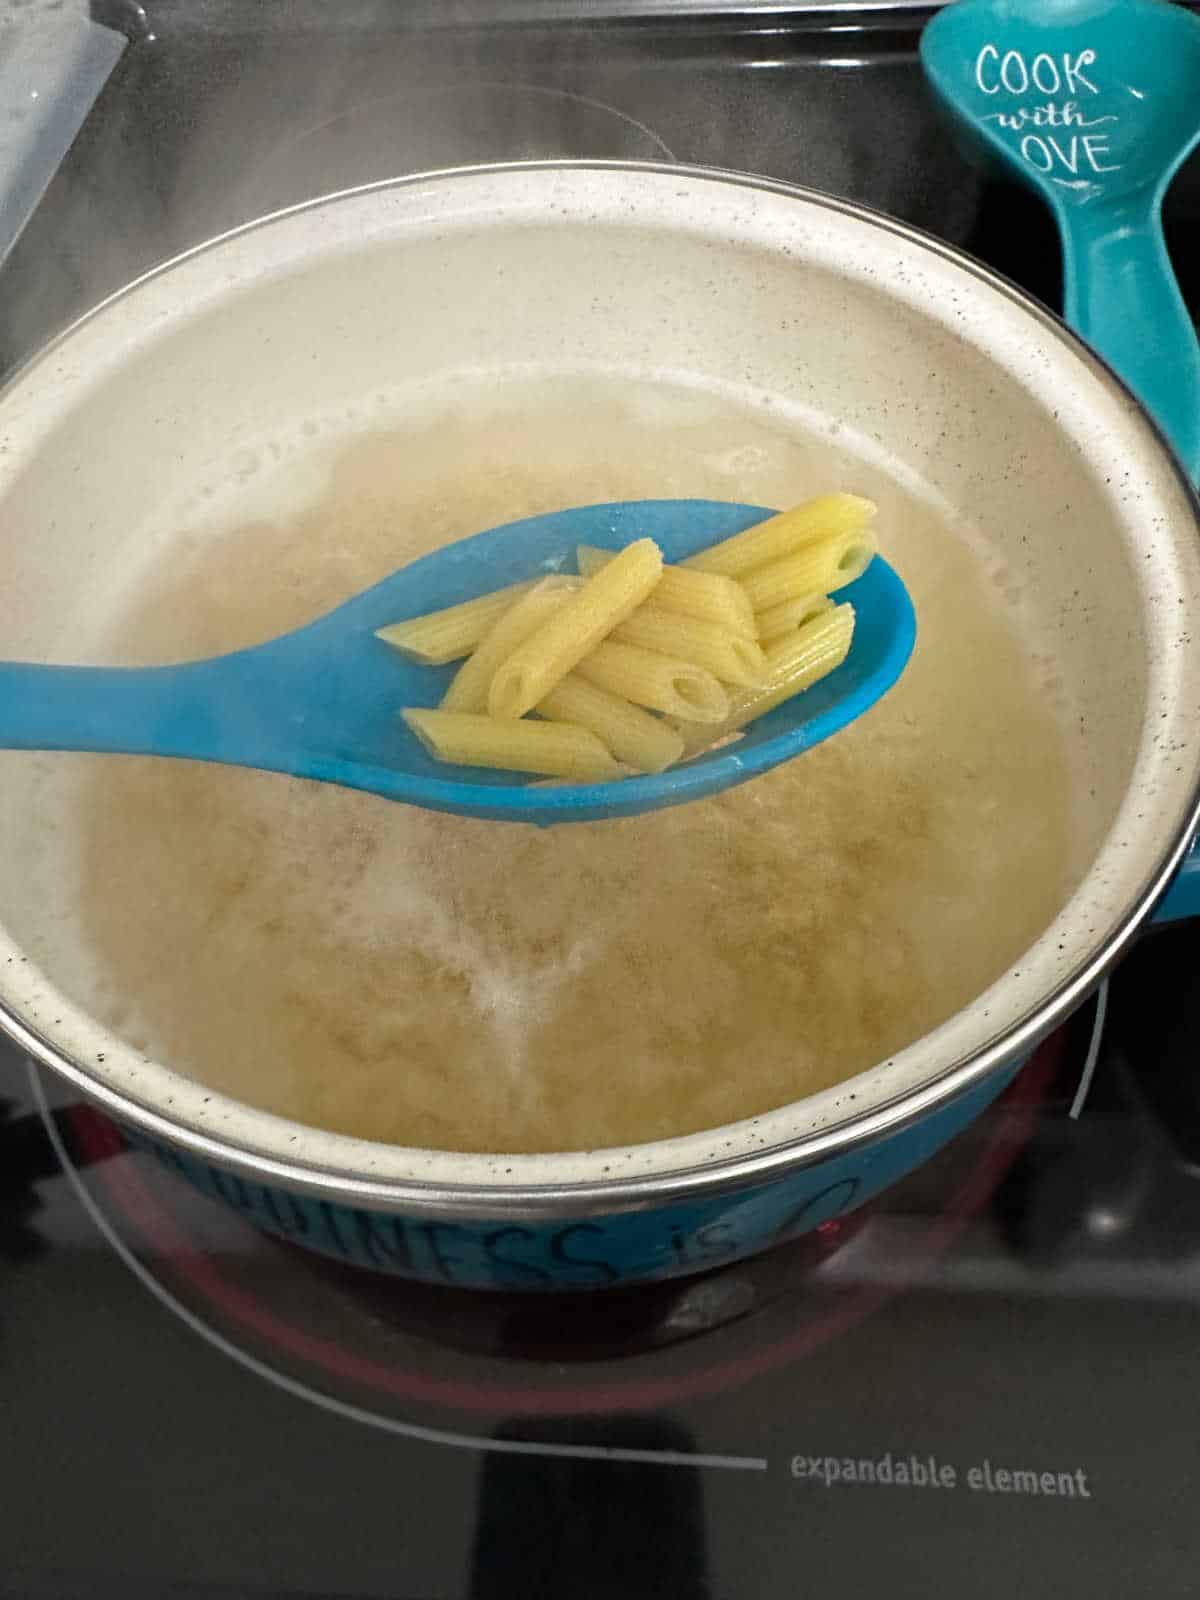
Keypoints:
pixel 1095 103
pixel 324 701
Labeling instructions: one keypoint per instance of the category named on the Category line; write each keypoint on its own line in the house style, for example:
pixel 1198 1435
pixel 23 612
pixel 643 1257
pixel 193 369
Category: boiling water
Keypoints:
pixel 433 981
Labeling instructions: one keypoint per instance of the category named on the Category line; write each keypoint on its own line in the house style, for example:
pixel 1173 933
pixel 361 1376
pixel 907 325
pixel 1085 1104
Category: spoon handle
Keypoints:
pixel 1121 295
pixel 142 711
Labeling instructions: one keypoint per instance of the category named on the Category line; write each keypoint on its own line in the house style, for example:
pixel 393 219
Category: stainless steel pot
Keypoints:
pixel 744 285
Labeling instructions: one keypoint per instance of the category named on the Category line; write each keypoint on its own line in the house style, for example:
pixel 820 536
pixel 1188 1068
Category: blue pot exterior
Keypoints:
pixel 600 1251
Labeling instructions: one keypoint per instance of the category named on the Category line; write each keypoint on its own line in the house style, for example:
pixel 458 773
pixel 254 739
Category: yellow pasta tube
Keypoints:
pixel 705 595
pixel 794 663
pixel 469 687
pixel 730 657
pixel 779 536
pixel 441 636
pixel 633 735
pixel 575 628
pixel 650 679
pixel 790 615
pixel 815 568
pixel 553 749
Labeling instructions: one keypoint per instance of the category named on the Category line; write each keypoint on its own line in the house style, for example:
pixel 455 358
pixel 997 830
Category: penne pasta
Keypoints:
pixel 780 536
pixel 441 636
pixel 650 679
pixel 553 749
pixel 633 735
pixel 815 568
pixel 574 629
pixel 596 656
pixel 791 614
pixel 730 657
pixel 705 595
pixel 469 687
pixel 794 663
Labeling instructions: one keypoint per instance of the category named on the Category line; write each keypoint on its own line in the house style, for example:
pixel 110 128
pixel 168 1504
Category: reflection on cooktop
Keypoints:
pixel 423 130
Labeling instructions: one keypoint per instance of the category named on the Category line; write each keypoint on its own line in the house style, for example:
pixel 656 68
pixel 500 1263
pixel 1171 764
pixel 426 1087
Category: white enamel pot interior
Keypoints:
pixel 972 392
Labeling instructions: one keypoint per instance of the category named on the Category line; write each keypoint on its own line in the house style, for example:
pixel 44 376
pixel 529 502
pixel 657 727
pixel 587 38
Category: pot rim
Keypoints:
pixel 533 1187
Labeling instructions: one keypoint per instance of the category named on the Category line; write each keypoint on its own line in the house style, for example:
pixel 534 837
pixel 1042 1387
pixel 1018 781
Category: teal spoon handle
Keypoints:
pixel 1120 293
pixel 87 708
pixel 190 710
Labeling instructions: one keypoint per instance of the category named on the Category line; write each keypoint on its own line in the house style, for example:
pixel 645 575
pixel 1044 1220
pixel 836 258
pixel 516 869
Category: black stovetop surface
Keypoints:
pixel 187 1408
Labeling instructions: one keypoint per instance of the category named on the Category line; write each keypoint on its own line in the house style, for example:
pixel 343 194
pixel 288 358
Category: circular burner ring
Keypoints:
pixel 425 1365
pixel 435 128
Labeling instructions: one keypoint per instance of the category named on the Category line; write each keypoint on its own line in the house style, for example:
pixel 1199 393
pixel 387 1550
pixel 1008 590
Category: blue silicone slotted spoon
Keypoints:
pixel 323 701
pixel 1095 103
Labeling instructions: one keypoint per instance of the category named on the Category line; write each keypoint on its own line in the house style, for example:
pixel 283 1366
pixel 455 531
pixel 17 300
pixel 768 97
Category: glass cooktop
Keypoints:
pixel 985 1383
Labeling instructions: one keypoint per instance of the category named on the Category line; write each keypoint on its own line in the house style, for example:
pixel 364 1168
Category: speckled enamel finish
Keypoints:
pixel 747 286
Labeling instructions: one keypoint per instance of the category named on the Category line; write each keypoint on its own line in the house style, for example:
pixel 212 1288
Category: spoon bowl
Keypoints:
pixel 324 701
